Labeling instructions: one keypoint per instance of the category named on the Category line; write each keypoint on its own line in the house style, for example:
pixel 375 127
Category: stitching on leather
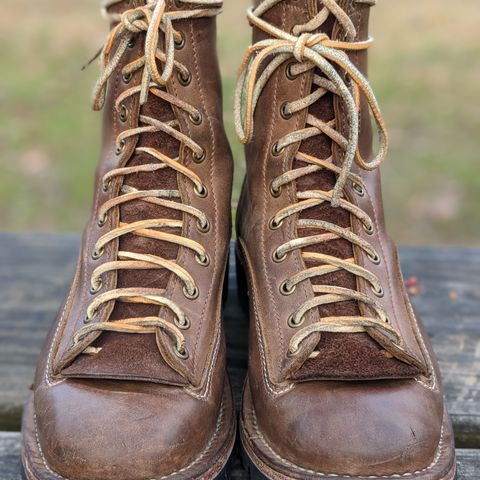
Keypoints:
pixel 26 466
pixel 195 64
pixel 112 279
pixel 29 469
pixel 387 266
pixel 418 335
pixel 212 136
pixel 208 383
pixel 436 458
pixel 61 322
pixel 44 460
pixel 216 348
pixel 83 255
pixel 268 140
pixel 412 315
pixel 432 386
pixel 205 451
pixel 270 387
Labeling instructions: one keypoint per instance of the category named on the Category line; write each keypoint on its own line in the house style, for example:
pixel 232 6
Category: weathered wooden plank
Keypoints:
pixel 35 271
pixel 10 465
pixel 468 461
pixel 468 464
pixel 449 302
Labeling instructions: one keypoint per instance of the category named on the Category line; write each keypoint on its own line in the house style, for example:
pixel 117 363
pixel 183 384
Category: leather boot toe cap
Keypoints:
pixel 119 430
pixel 376 428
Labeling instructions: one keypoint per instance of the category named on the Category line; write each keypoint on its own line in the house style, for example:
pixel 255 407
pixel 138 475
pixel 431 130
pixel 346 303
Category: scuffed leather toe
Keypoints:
pixel 120 430
pixel 378 428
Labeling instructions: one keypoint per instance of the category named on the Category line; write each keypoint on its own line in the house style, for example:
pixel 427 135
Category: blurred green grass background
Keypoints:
pixel 425 69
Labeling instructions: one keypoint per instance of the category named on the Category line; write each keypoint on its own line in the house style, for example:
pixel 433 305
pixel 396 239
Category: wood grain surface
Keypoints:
pixel 36 270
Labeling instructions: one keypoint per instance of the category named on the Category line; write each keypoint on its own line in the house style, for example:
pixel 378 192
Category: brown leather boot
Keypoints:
pixel 132 382
pixel 342 381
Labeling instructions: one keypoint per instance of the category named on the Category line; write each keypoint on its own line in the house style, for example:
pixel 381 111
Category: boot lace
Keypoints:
pixel 302 51
pixel 152 20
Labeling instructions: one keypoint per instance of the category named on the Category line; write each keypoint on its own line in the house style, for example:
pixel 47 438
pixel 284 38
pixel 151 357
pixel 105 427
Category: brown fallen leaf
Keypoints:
pixel 413 286
pixel 414 290
pixel 453 295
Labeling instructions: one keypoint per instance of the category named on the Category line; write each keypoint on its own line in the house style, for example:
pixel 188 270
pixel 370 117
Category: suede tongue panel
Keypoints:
pixel 136 356
pixel 342 356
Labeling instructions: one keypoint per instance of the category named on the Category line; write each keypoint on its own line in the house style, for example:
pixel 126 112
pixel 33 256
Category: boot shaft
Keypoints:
pixel 304 109
pixel 164 145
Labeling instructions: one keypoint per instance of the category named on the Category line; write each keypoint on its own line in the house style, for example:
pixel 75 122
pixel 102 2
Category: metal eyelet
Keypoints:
pixel 202 193
pixel 199 158
pixel 288 71
pixel 178 3
pixel 120 147
pixel 181 354
pixel 183 326
pixel 285 290
pixel 97 254
pixel 123 114
pixel 379 293
pixel 369 229
pixel 274 224
pixel 277 151
pixel 197 118
pixel 374 258
pixel 284 111
pixel 277 258
pixel 204 260
pixel 292 324
pixel 358 189
pixel 101 221
pixel 185 81
pixel 132 42
pixel 203 228
pixel 88 319
pixel 191 296
pixel 95 290
pixel 275 192
pixel 106 187
pixel 126 78
pixel 179 44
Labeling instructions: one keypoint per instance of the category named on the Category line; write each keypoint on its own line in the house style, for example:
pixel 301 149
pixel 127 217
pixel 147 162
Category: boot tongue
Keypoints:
pixel 343 356
pixel 130 356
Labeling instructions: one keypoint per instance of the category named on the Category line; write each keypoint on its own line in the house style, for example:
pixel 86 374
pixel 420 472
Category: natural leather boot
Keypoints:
pixel 342 381
pixel 132 382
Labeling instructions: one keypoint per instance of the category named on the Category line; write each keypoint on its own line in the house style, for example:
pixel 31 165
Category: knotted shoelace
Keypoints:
pixel 154 20
pixel 301 50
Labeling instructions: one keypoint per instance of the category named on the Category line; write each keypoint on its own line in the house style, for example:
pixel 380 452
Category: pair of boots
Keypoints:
pixel 342 381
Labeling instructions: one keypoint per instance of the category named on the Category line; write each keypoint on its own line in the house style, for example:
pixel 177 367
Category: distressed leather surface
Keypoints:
pixel 351 410
pixel 137 410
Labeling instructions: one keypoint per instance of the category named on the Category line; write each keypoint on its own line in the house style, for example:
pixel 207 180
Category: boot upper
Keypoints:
pixel 135 363
pixel 336 348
